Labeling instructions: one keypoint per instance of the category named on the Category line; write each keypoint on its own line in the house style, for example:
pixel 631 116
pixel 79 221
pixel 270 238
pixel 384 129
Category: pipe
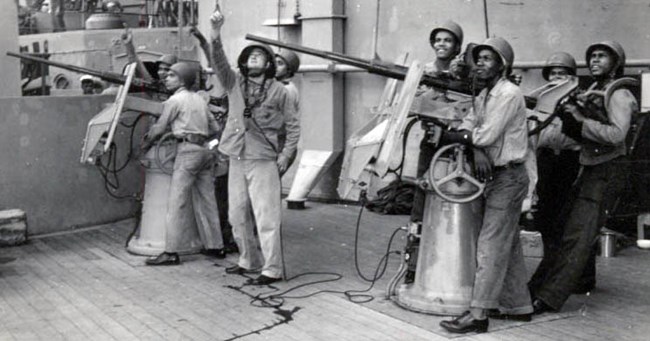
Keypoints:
pixel 331 68
pixel 342 68
pixel 541 64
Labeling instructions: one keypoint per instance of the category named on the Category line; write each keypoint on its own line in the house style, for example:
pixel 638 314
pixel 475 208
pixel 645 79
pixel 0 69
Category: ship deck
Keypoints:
pixel 85 286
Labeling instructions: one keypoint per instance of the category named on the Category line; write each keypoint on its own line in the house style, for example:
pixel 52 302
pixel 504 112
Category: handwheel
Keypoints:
pixel 459 165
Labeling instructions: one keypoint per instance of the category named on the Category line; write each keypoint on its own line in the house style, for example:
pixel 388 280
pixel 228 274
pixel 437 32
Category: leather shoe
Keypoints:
pixel 540 307
pixel 496 314
pixel 165 258
pixel 216 253
pixel 465 324
pixel 237 270
pixel 264 280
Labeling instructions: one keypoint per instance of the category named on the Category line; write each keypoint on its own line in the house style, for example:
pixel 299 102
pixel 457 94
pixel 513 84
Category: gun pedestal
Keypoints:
pixel 446 264
pixel 152 233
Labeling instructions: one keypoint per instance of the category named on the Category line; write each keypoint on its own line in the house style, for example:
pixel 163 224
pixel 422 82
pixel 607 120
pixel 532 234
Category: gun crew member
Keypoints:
pixel 287 64
pixel 446 41
pixel 497 125
pixel 91 85
pixel 163 64
pixel 600 125
pixel 186 114
pixel 557 168
pixel 221 161
pixel 259 110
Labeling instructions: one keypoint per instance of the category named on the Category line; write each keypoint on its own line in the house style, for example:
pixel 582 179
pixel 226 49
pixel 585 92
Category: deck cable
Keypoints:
pixel 276 300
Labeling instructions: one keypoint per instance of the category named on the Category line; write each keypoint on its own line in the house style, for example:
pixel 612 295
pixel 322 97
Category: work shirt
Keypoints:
pixel 498 123
pixel 257 136
pixel 186 112
pixel 552 137
pixel 294 96
pixel 293 99
pixel 605 141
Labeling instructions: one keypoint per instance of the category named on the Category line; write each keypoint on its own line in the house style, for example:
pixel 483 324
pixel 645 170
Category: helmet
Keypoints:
pixel 501 47
pixel 243 58
pixel 169 59
pixel 112 7
pixel 614 48
pixel 186 72
pixel 451 27
pixel 559 59
pixel 292 60
pixel 88 78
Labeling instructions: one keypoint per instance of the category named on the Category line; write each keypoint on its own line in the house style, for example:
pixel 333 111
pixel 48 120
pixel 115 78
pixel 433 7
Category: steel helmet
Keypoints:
pixel 243 58
pixel 186 72
pixel 560 59
pixel 291 59
pixel 501 47
pixel 168 59
pixel 614 48
pixel 451 27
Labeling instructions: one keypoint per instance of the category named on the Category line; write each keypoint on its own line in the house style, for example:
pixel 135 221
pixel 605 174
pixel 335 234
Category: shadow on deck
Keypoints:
pixel 84 285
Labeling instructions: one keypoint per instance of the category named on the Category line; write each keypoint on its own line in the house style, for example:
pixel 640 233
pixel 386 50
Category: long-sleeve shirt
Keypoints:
pixel 552 137
pixel 498 123
pixel 185 112
pixel 605 141
pixel 256 137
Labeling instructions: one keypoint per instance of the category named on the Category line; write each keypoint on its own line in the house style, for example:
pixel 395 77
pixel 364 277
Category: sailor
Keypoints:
pixel 496 128
pixel 91 85
pixel 287 64
pixel 260 109
pixel 600 125
pixel 191 192
pixel 557 170
pixel 446 40
pixel 163 64
pixel 221 160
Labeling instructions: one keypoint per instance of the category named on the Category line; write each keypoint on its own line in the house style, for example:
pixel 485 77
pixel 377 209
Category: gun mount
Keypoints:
pixel 111 77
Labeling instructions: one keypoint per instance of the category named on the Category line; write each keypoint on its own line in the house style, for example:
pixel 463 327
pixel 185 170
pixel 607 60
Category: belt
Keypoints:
pixel 509 165
pixel 192 138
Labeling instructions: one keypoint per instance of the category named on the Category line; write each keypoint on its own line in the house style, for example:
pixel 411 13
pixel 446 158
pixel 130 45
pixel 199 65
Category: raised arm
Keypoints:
pixel 218 59
pixel 203 43
pixel 127 41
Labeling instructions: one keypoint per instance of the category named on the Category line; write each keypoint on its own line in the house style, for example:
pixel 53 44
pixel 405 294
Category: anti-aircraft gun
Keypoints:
pixel 111 77
pixel 369 150
pixel 102 127
pixel 453 214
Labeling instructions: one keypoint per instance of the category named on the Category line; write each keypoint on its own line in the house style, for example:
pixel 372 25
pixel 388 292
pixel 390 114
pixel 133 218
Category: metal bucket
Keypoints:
pixel 607 244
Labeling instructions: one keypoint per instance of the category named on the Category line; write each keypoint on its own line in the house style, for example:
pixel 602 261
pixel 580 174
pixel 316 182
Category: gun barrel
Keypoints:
pixel 111 77
pixel 378 67
pixel 108 76
pixel 373 66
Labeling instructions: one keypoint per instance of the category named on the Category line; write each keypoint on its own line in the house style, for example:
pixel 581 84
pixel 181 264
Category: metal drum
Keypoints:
pixel 151 236
pixel 447 259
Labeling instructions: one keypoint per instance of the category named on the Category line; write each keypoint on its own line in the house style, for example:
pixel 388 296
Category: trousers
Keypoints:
pixel 500 280
pixel 254 187
pixel 191 196
pixel 599 187
pixel 555 190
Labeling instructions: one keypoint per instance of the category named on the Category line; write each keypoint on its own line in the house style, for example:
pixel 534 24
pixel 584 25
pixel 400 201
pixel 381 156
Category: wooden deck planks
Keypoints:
pixel 206 288
pixel 85 286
